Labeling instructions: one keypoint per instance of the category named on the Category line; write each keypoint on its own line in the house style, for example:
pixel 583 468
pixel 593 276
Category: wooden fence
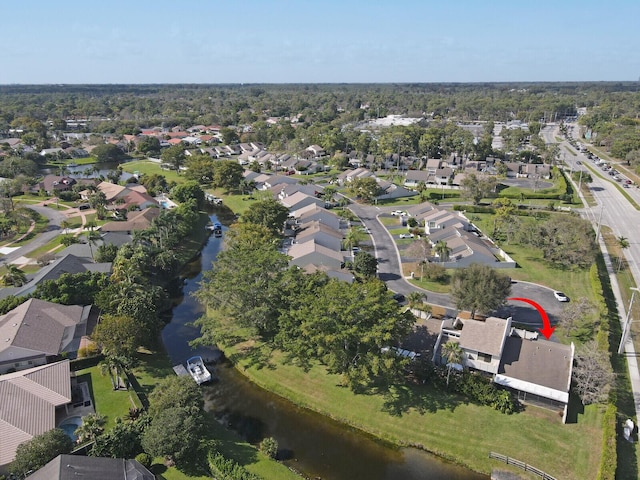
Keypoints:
pixel 522 465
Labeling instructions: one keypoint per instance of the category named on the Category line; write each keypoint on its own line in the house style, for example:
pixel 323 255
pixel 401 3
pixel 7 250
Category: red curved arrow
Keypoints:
pixel 547 329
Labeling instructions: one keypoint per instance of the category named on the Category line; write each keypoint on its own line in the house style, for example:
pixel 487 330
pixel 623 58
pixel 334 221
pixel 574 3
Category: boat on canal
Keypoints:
pixel 198 370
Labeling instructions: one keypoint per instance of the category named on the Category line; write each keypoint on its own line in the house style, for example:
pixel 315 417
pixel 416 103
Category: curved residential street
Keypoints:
pixel 55 218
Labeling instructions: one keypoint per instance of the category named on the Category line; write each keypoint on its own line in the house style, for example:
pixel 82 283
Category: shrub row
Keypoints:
pixel 599 279
pixel 479 389
pixel 86 362
pixel 609 459
pixel 226 469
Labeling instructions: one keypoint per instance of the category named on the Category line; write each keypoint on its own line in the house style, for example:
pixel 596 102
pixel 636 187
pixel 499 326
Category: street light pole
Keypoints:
pixel 627 322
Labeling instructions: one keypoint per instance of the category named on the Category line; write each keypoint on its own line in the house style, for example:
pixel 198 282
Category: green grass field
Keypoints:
pixel 147 167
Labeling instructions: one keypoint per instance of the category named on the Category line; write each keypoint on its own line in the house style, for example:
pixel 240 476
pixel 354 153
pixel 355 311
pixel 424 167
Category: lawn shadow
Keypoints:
pixel 575 408
pixel 400 399
pixel 258 356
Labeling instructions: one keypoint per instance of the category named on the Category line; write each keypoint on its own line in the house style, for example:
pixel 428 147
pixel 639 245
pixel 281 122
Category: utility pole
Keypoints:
pixel 627 322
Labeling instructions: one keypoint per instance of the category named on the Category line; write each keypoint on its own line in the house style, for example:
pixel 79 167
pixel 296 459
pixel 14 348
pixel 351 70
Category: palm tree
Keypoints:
pixel 442 250
pixel 415 299
pixel 92 426
pixel 14 276
pixel 353 237
pixel 65 224
pixel 623 243
pixel 106 369
pixel 453 353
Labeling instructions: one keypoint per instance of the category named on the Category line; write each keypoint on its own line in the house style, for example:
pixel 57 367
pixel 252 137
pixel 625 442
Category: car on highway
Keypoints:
pixel 561 297
pixel 407 235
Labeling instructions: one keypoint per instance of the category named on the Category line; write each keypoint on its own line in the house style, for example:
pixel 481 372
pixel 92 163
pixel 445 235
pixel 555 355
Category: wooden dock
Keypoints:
pixel 180 370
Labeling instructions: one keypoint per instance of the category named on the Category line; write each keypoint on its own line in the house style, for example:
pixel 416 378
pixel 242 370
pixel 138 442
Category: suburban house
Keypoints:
pixel 300 200
pixel 277 179
pixel 320 233
pixel 414 177
pixel 432 165
pixel 37 331
pixel 70 467
pixel 312 253
pixel 466 245
pixel 51 184
pixel 123 197
pixel 136 220
pixel 316 150
pixel 67 263
pixel 315 212
pixel 283 191
pixel 31 402
pixel 538 371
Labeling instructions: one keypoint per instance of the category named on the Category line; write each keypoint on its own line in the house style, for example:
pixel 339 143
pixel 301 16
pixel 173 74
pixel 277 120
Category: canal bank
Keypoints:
pixel 309 442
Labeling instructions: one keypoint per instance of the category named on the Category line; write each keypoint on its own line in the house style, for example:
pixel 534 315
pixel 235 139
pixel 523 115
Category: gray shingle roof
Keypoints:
pixel 41 326
pixel 29 399
pixel 70 467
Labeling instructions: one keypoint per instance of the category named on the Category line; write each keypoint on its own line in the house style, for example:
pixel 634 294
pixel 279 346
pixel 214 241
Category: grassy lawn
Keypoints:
pixel 444 424
pixel 54 245
pixel 147 167
pixel 239 204
pixel 107 401
pixel 390 221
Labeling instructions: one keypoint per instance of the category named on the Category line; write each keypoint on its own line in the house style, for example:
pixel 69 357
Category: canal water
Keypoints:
pixel 309 443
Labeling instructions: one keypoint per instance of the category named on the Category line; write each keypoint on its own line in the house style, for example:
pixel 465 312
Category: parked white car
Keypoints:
pixel 561 297
pixel 407 235
pixel 398 213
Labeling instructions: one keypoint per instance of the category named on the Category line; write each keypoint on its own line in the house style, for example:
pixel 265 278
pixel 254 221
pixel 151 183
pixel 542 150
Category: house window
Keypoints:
pixel 485 357
pixel 432 224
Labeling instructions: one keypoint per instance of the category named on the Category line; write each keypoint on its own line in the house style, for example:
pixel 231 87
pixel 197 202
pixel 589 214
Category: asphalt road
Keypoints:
pixel 613 209
pixel 389 270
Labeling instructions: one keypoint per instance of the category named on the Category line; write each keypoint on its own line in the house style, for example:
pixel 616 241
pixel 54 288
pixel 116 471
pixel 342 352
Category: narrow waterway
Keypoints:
pixel 310 443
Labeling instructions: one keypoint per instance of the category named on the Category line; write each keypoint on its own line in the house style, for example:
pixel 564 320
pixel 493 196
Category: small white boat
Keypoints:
pixel 198 371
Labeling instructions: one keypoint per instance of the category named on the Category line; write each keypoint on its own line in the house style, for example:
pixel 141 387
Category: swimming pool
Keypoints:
pixel 69 426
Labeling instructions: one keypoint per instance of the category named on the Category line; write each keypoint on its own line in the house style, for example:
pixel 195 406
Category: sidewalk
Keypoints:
pixel 629 348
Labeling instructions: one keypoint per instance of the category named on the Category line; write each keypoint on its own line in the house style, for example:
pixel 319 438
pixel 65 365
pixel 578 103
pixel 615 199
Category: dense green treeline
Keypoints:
pixel 232 104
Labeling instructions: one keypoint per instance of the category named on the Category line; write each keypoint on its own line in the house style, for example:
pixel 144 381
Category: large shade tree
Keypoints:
pixel 479 288
pixel 344 326
pixel 269 213
pixel 39 451
pixel 243 283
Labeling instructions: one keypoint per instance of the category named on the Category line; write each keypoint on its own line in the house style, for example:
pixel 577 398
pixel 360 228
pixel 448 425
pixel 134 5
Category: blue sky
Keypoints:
pixel 328 41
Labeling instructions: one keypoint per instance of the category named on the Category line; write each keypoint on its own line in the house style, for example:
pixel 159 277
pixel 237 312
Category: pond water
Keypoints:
pixel 310 443
pixel 93 170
